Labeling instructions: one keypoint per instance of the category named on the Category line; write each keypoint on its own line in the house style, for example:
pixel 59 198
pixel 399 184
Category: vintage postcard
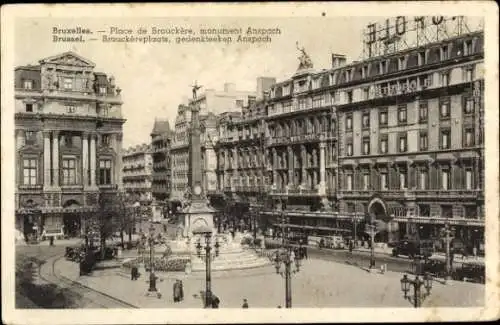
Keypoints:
pixel 301 162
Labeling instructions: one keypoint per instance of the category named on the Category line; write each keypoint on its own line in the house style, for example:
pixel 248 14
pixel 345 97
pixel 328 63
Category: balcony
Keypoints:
pixel 448 194
pixel 295 192
pixel 30 188
pixel 72 188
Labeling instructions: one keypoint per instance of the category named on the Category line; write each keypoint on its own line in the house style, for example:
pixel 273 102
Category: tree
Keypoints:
pixel 111 215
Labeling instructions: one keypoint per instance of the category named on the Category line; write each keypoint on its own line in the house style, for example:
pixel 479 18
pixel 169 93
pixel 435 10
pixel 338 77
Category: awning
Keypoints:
pixel 71 209
pixel 445 156
pixel 382 161
pixel 468 155
pixel 311 227
pixel 366 161
pixel 348 162
pixel 402 159
pixel 422 158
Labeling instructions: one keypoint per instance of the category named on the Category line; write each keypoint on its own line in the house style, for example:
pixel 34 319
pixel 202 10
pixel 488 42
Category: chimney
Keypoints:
pixel 264 84
pixel 229 87
pixel 338 60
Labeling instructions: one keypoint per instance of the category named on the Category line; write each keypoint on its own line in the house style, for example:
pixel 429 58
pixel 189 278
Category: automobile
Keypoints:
pixel 435 267
pixel 413 248
pixel 473 272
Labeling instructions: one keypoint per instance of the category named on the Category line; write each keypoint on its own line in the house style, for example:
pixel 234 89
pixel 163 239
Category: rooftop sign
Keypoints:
pixel 400 33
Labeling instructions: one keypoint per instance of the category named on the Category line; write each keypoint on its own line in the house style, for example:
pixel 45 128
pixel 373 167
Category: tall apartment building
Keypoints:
pixel 397 138
pixel 68 134
pixel 241 160
pixel 211 103
pixel 138 173
pixel 161 139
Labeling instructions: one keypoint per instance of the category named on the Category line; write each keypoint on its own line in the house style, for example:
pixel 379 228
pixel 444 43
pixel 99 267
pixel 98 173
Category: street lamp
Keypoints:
pixel 152 277
pixel 371 230
pixel 417 283
pixel 206 232
pixel 286 256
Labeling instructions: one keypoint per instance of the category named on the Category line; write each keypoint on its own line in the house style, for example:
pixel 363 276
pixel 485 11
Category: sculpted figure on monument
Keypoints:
pixel 305 60
pixel 196 87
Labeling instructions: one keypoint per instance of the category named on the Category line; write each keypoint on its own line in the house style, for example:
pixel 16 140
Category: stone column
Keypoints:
pixel 322 171
pixel 290 165
pixel 55 158
pixel 20 139
pixel 47 182
pixel 118 161
pixel 85 159
pixel 93 160
pixel 303 152
pixel 274 167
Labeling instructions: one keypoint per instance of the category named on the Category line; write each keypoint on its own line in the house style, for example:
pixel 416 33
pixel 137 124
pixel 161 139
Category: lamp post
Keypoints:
pixel 417 283
pixel 371 230
pixel 286 256
pixel 152 277
pixel 206 232
pixel 448 238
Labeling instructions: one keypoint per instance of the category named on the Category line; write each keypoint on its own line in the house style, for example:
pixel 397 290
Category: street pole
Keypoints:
pixel 355 229
pixel 416 294
pixel 448 259
pixel 288 284
pixel 208 289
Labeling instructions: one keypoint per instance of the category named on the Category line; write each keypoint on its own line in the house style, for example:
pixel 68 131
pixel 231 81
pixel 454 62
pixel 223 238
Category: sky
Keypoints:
pixel 156 78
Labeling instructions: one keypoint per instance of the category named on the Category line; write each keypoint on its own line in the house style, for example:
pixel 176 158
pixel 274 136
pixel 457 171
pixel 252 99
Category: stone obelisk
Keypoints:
pixel 197 212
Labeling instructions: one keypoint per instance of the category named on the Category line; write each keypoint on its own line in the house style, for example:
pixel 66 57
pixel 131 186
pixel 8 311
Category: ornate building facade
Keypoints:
pixel 138 172
pixel 211 102
pixel 68 125
pixel 161 139
pixel 396 138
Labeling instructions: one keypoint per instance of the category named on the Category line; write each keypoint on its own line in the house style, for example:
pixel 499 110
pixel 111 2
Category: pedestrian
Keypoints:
pixel 245 304
pixel 181 291
pixel 51 240
pixel 215 301
pixel 176 291
pixel 351 246
pixel 134 273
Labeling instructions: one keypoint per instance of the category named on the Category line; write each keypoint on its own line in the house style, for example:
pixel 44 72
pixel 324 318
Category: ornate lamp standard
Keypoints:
pixel 286 256
pixel 152 277
pixel 206 232
pixel 417 283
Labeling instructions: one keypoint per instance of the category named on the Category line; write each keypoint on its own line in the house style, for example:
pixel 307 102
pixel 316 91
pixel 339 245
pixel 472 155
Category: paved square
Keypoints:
pixel 318 284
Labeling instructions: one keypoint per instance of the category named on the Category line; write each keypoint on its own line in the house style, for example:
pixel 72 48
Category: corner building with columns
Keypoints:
pixel 396 138
pixel 68 135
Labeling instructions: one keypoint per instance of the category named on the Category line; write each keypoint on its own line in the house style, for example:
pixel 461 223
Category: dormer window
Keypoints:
pixel 347 75
pixel 28 84
pixel 383 67
pixel 364 72
pixel 467 47
pixel 444 53
pixel 421 58
pixel 68 84
pixel 402 63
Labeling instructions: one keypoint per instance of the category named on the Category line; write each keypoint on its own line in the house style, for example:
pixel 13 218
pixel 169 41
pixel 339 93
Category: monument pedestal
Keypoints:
pixel 195 215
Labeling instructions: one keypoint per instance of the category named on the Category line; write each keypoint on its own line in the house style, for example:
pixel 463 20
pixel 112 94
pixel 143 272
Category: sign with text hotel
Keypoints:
pixel 400 87
pixel 400 33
